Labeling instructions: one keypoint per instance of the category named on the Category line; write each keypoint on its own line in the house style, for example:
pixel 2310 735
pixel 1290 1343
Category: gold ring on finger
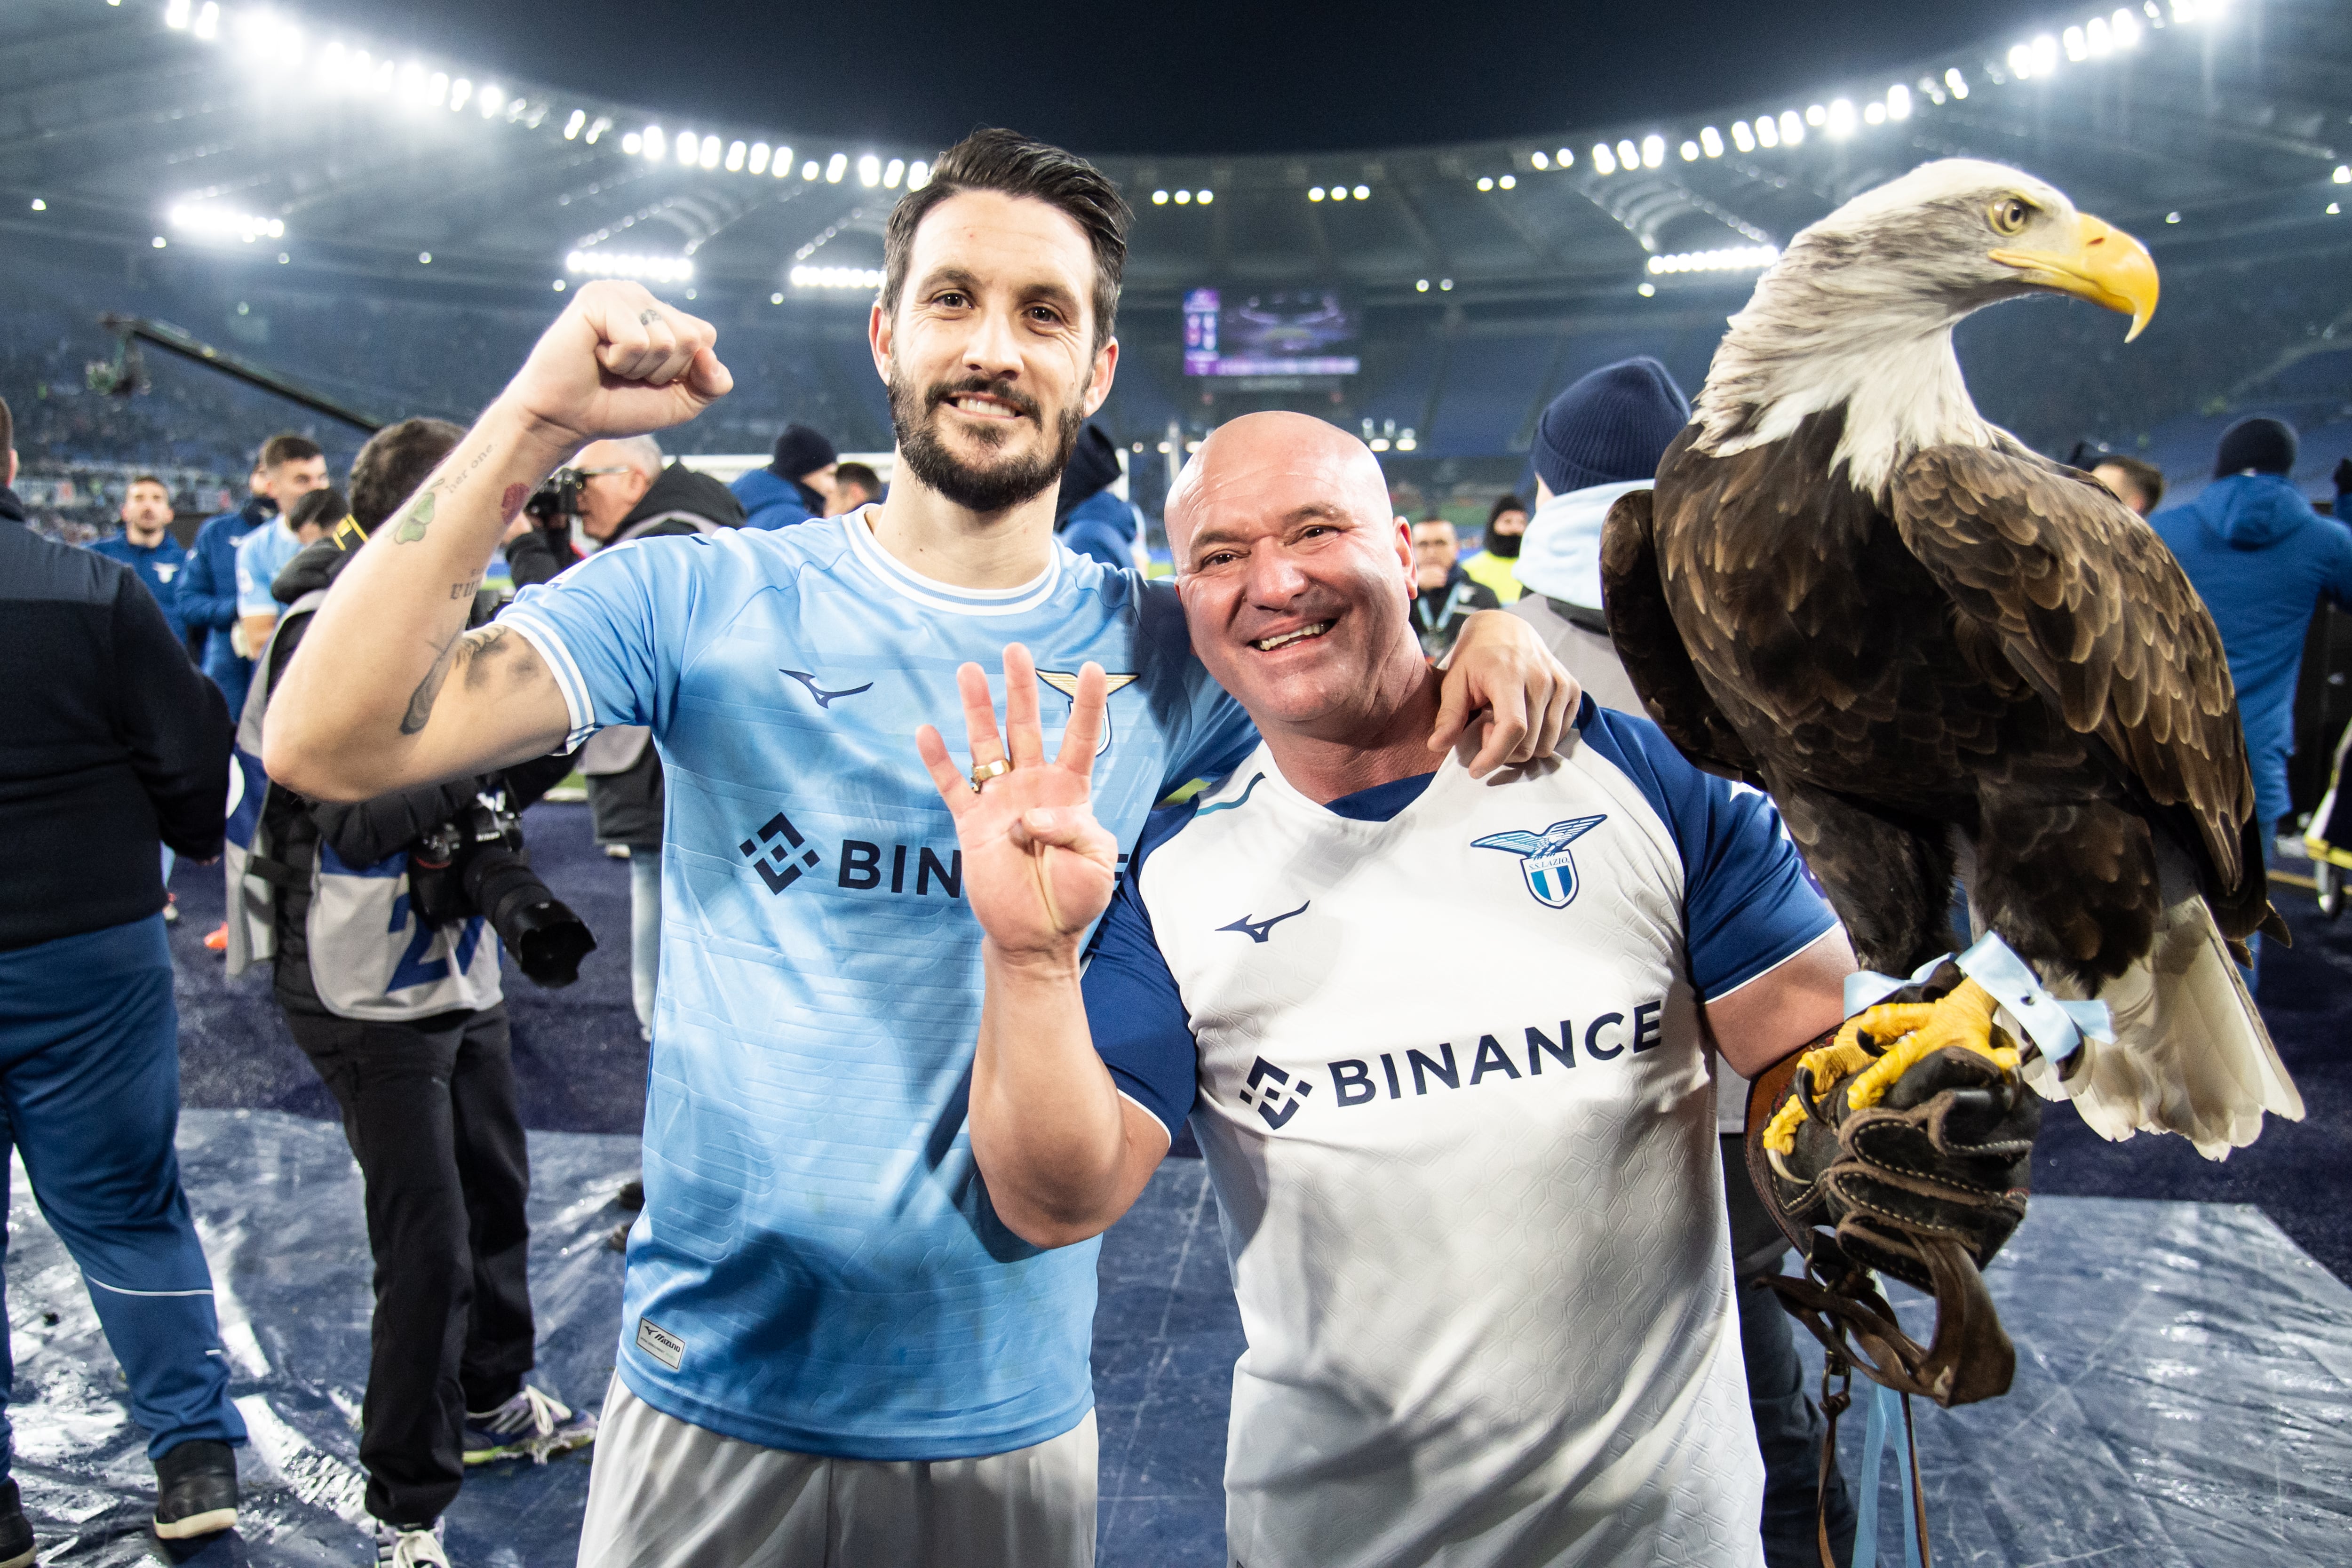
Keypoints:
pixel 983 772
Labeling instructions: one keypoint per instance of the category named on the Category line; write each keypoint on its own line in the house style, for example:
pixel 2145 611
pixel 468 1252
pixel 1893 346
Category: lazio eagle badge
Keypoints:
pixel 1544 857
pixel 1065 682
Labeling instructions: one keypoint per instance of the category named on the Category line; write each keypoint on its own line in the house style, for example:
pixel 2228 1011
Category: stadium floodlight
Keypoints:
pixel 1565 157
pixel 1420 285
pixel 1485 182
pixel 1183 198
pixel 1735 258
pixel 657 145
pixel 2342 176
pixel 1604 160
pixel 1873 113
pixel 436 90
pixel 632 143
pixel 2021 61
pixel 892 173
pixel 1204 196
pixel 459 92
pixel 809 170
pixel 2078 46
pixel 1792 129
pixel 574 126
pixel 757 162
pixel 1959 84
pixel 1160 198
pixel 1508 181
pixel 1741 137
pixel 1654 150
pixel 598 126
pixel 1840 118
pixel 207 23
pixel 869 171
pixel 835 167
pixel 1628 155
pixel 176 14
pixel 1314 192
pixel 918 174
pixel 1898 102
pixel 687 146
pixel 642 268
pixel 1690 152
pixel 2097 41
pixel 1710 141
pixel 2045 55
pixel 736 152
pixel 1538 161
pixel 1647 290
pixel 210 222
pixel 837 277
pixel 709 159
pixel 2127 28
pixel 1768 131
pixel 1816 115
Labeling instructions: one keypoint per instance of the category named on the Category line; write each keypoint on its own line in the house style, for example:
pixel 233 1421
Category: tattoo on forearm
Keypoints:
pixel 418 515
pixel 510 504
pixel 464 590
pixel 428 690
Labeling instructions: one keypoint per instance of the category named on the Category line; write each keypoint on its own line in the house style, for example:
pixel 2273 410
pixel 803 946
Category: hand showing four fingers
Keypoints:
pixel 1038 868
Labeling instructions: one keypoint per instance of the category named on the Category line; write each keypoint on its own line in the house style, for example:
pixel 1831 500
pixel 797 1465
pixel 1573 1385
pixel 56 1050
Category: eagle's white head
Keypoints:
pixel 1858 311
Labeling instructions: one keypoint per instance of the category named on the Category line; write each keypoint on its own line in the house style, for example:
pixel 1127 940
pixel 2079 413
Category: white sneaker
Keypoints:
pixel 398 1548
pixel 532 1424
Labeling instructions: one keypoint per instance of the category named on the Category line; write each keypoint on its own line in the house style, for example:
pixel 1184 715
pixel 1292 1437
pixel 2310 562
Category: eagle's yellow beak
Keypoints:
pixel 2106 267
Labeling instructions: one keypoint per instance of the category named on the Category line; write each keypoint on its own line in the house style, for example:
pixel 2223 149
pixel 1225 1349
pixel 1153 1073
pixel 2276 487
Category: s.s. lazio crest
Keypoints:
pixel 1065 682
pixel 1544 857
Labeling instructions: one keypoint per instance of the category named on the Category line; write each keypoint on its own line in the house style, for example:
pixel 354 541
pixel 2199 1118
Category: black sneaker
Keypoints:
pixel 16 1534
pixel 195 1490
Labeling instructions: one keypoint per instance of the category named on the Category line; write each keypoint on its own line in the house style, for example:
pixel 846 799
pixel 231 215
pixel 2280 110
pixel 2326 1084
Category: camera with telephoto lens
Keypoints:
pixel 475 864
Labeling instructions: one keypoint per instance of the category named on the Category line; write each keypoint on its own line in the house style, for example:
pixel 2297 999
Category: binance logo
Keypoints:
pixel 777 853
pixel 1275 1093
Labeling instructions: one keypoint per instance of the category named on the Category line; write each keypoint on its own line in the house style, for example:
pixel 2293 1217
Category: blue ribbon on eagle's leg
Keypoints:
pixel 2055 1024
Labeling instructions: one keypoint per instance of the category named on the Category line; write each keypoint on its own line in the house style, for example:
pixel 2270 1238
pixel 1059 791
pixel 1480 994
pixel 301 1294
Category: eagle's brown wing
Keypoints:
pixel 1652 649
pixel 2091 609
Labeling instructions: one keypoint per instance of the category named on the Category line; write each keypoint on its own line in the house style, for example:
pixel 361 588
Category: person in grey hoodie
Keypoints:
pixel 1599 439
pixel 2262 560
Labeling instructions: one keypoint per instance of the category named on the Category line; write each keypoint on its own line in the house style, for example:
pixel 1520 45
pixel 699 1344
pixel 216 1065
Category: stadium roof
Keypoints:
pixel 158 123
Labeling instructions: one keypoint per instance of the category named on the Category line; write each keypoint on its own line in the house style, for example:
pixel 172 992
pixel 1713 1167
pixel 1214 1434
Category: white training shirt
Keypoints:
pixel 1456 1103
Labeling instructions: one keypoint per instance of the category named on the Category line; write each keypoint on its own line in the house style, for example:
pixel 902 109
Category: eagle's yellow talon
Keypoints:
pixel 1781 1132
pixel 1963 1018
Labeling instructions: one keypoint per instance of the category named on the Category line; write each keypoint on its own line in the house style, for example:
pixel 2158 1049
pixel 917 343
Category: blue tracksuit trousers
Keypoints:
pixel 89 1095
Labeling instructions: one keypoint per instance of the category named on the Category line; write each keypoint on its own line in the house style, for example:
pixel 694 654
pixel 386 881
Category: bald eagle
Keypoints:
pixel 1944 654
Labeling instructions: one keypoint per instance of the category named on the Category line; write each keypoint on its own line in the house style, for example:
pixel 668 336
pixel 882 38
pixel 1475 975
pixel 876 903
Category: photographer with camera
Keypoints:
pixel 385 918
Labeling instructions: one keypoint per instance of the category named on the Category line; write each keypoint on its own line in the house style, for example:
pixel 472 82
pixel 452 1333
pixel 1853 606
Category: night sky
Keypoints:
pixel 1191 76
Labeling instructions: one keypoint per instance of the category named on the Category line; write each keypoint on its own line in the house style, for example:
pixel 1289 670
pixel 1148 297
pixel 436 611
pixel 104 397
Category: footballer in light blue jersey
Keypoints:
pixel 817 1268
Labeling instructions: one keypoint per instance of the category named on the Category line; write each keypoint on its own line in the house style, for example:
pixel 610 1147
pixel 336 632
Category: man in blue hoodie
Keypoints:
pixel 1090 515
pixel 290 468
pixel 2262 560
pixel 795 485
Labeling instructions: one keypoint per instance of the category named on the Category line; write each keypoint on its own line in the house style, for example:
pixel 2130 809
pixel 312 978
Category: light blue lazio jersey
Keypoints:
pixel 817 1267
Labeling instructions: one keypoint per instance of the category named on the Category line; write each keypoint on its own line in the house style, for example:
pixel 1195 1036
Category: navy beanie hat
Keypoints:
pixel 2265 445
pixel 1610 427
pixel 800 450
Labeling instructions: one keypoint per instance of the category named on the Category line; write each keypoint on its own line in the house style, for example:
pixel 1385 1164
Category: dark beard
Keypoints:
pixel 914 422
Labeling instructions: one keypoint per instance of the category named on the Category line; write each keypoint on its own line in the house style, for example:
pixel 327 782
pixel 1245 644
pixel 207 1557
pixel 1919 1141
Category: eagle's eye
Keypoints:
pixel 2008 216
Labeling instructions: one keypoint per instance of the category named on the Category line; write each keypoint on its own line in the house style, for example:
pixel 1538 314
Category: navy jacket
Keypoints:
pixel 114 744
pixel 159 566
pixel 771 500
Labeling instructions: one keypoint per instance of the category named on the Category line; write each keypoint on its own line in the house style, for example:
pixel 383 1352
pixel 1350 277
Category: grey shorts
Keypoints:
pixel 666 1494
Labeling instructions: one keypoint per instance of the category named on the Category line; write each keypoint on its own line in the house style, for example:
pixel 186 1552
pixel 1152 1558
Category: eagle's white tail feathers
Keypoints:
pixel 2191 1054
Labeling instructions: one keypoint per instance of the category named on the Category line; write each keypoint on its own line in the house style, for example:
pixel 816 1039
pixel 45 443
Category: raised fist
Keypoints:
pixel 618 361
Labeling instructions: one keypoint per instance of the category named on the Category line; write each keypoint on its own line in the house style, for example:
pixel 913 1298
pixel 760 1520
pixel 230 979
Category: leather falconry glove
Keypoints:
pixel 1902 1142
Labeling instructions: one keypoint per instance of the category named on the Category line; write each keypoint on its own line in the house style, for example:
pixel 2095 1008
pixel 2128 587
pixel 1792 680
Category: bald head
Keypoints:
pixel 1243 461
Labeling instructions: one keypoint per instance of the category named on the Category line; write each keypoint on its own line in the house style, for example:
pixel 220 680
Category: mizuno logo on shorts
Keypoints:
pixel 660 1343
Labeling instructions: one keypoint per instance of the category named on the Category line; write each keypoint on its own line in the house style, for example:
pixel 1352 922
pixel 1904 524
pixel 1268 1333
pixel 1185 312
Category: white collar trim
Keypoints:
pixel 932 593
